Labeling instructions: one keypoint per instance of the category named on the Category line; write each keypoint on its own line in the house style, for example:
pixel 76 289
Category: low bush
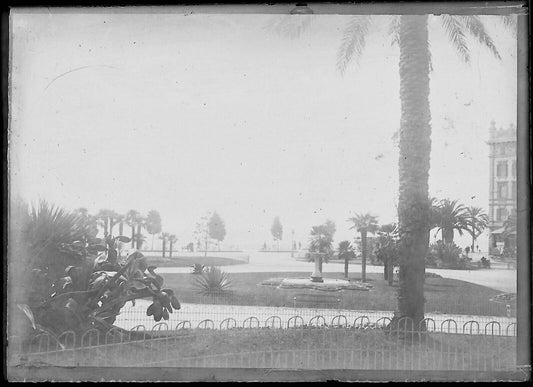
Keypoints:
pixel 212 281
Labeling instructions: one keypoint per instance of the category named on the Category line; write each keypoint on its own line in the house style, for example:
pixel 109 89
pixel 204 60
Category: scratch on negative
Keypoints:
pixel 76 69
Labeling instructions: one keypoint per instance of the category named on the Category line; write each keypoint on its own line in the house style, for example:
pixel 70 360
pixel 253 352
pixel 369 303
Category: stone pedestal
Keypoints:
pixel 317 274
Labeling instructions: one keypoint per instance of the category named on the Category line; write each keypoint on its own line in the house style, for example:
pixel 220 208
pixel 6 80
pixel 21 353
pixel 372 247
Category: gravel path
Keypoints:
pixel 243 316
pixel 499 278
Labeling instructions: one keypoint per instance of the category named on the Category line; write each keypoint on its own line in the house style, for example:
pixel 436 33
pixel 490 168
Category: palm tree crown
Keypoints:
pixel 477 221
pixel 451 216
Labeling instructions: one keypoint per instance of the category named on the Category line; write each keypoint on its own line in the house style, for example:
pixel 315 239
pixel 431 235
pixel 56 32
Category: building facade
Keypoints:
pixel 502 187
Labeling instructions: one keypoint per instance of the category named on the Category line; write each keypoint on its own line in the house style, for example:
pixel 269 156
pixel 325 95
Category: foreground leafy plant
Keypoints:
pixel 78 282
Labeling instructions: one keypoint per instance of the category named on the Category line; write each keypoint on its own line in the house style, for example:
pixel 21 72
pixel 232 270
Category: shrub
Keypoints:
pixel 75 280
pixel 443 254
pixel 212 281
pixel 198 268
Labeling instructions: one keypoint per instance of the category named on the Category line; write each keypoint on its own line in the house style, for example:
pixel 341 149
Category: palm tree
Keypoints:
pixel 113 220
pixel 386 249
pixel 321 240
pixel 103 218
pixel 131 220
pixel 171 239
pixel 477 221
pixel 451 215
pixel 120 219
pixel 364 223
pixel 509 232
pixel 346 252
pixel 164 237
pixel 141 222
pixel 153 224
pixel 410 33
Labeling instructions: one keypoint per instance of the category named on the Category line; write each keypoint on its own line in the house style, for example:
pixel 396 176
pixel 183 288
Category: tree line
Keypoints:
pixel 109 221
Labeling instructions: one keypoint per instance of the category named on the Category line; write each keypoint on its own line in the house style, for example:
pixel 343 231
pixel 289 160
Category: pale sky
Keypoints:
pixel 188 114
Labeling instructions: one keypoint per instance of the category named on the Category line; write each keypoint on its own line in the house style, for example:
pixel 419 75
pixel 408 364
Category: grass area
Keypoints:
pixel 298 348
pixel 190 261
pixel 443 295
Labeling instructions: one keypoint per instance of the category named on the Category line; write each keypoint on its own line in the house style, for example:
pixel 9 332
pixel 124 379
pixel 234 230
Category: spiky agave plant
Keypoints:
pixel 213 281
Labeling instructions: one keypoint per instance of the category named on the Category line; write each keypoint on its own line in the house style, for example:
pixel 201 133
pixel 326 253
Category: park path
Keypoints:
pixel 499 277
pixel 132 316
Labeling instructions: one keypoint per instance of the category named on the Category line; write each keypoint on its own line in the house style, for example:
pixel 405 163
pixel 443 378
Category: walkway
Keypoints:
pixel 499 277
pixel 258 316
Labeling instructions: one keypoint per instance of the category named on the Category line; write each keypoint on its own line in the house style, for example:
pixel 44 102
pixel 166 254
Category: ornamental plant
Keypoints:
pixel 78 282
pixel 212 281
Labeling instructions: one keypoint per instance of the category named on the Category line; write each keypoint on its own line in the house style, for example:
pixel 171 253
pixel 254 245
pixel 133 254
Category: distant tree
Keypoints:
pixel 131 219
pixel 140 238
pixel 387 250
pixel 201 233
pixel 91 221
pixel 171 240
pixel 476 221
pixel 217 228
pixel 120 218
pixel 509 235
pixel 321 240
pixel 346 252
pixel 164 237
pixel 153 224
pixel 103 218
pixel 364 224
pixel 277 230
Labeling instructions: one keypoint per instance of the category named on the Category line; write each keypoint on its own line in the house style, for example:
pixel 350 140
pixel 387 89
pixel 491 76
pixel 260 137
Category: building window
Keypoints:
pixel 513 190
pixel 513 168
pixel 502 190
pixel 501 214
pixel 501 169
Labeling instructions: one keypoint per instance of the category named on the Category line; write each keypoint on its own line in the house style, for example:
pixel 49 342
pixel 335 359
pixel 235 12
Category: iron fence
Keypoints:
pixel 229 316
pixel 337 345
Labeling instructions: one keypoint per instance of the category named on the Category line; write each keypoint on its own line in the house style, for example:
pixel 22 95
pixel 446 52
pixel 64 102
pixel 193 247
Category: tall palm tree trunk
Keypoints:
pixel 363 256
pixel 447 235
pixel 415 147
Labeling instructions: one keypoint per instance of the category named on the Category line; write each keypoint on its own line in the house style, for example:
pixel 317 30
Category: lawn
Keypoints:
pixel 443 295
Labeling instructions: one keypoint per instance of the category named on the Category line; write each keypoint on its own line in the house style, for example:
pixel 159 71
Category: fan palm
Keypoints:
pixel 410 33
pixel 321 240
pixel 477 221
pixel 364 224
pixel 346 252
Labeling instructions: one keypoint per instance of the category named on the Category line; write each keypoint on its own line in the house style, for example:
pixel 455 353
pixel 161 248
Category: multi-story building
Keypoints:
pixel 502 185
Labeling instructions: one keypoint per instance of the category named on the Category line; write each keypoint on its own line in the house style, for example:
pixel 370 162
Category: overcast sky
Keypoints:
pixel 188 114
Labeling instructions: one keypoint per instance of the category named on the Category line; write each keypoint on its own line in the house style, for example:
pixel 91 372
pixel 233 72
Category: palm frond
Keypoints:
pixel 353 41
pixel 510 22
pixel 394 30
pixel 454 27
pixel 476 28
pixel 291 26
